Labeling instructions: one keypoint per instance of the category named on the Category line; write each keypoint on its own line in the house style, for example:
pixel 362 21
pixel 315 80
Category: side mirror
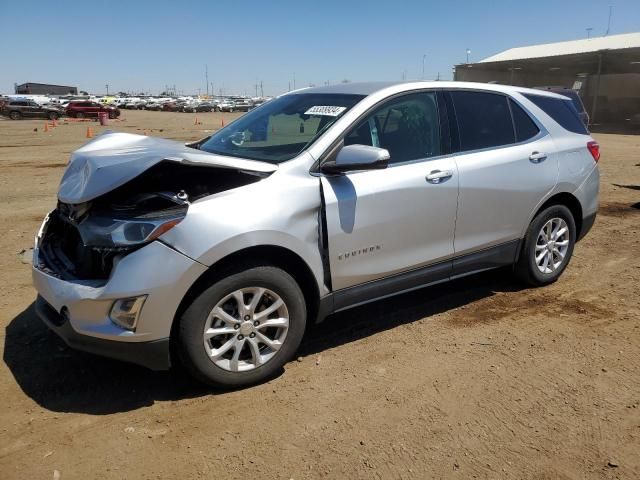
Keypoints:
pixel 357 157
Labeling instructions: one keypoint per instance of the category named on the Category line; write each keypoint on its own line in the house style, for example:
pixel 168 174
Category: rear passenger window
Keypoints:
pixel 525 127
pixel 407 126
pixel 484 120
pixel 562 111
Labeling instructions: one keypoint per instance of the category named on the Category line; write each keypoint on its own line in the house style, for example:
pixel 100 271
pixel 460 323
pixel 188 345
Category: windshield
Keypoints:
pixel 282 128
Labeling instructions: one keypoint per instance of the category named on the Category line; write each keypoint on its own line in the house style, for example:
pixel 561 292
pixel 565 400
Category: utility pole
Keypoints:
pixel 256 87
pixel 423 59
pixel 107 85
pixel 294 80
pixel 468 53
pixel 261 89
pixel 589 32
pixel 609 21
pixel 206 77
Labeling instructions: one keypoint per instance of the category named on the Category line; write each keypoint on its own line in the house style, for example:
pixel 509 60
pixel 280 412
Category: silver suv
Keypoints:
pixel 219 253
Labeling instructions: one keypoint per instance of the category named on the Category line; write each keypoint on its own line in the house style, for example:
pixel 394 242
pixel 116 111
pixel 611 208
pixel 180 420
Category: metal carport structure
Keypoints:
pixel 604 70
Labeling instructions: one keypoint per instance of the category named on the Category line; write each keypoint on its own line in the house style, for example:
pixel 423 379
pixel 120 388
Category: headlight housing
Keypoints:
pixel 118 232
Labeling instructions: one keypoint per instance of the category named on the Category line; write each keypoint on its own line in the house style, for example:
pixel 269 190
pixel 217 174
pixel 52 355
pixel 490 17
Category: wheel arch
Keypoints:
pixel 260 255
pixel 568 200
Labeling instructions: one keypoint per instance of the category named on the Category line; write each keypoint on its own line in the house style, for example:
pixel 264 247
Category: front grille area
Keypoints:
pixel 64 255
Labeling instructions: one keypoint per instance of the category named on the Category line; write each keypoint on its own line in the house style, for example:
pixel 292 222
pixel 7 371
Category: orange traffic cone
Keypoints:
pixel 195 122
pixel 89 132
pixel 222 122
pixel 46 126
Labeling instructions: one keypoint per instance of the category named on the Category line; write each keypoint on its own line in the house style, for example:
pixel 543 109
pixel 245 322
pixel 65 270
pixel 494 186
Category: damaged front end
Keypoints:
pixel 92 229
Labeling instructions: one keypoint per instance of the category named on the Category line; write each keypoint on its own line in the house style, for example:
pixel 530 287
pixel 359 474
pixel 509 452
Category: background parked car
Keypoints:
pixel 90 109
pixel 17 109
pixel 226 105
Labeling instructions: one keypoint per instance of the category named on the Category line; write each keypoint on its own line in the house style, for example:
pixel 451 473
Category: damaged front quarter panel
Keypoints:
pixel 122 191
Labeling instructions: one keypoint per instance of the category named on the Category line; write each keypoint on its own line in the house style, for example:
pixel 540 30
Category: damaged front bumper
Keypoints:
pixel 78 310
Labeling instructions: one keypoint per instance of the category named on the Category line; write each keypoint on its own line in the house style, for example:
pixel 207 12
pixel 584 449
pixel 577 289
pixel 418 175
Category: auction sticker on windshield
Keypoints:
pixel 326 110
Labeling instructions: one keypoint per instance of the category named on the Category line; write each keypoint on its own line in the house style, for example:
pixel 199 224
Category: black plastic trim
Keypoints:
pixel 349 297
pixel 587 225
pixel 493 257
pixel 489 258
pixel 153 355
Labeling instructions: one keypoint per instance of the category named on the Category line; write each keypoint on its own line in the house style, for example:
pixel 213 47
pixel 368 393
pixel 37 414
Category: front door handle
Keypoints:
pixel 437 176
pixel 537 157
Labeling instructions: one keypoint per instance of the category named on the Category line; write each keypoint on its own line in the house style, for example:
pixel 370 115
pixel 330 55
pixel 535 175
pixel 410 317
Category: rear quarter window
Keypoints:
pixel 562 111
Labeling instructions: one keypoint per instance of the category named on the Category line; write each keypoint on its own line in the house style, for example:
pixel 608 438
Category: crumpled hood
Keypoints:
pixel 112 159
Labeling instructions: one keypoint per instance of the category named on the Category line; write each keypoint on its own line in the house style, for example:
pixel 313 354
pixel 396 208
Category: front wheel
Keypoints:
pixel 548 246
pixel 243 328
pixel 15 115
pixel 53 116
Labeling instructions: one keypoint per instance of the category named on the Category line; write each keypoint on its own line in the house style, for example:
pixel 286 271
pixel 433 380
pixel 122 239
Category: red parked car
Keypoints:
pixel 81 109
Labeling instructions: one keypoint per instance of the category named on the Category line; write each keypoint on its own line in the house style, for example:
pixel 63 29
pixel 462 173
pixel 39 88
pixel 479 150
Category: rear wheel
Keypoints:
pixel 112 115
pixel 15 115
pixel 79 115
pixel 53 116
pixel 243 328
pixel 548 246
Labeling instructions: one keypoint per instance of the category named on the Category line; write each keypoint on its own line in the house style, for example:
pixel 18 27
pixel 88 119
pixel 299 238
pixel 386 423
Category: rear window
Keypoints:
pixel 562 111
pixel 525 127
pixel 484 120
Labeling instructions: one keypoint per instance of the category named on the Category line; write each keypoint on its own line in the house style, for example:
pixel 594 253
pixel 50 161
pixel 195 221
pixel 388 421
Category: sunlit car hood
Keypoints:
pixel 112 159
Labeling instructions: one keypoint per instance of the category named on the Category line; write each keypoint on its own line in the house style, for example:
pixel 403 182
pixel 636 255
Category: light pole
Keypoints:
pixel 206 78
pixel 468 53
pixel 423 59
pixel 589 32
pixel 107 85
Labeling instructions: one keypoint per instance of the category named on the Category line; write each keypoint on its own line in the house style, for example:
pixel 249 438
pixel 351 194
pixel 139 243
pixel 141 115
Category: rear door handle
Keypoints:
pixel 537 157
pixel 437 176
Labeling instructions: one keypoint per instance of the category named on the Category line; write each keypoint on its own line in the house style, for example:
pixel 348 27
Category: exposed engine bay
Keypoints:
pixel 84 241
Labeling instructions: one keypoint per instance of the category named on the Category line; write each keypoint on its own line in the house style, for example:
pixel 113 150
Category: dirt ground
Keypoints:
pixel 478 378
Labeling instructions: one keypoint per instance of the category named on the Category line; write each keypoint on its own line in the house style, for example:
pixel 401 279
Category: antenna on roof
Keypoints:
pixel 609 21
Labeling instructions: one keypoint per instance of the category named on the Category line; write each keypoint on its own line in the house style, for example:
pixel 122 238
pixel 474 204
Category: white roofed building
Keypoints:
pixel 604 70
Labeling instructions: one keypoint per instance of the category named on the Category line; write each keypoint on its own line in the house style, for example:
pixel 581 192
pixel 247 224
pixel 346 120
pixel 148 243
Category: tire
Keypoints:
pixel 198 355
pixel 15 115
pixel 553 256
pixel 79 115
pixel 52 116
pixel 231 110
pixel 112 115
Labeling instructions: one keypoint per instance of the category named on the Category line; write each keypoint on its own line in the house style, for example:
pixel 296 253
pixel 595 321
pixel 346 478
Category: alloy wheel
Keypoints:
pixel 552 245
pixel 246 329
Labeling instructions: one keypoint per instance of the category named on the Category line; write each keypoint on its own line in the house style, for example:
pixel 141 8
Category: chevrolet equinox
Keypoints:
pixel 218 253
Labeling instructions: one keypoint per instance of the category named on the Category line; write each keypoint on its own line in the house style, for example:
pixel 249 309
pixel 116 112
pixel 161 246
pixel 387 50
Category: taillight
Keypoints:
pixel 594 148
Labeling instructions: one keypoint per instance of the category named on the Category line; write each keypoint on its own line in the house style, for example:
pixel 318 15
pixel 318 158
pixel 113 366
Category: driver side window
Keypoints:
pixel 408 127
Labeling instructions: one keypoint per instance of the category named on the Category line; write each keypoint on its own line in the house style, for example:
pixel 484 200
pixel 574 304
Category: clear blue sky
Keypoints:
pixel 146 45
